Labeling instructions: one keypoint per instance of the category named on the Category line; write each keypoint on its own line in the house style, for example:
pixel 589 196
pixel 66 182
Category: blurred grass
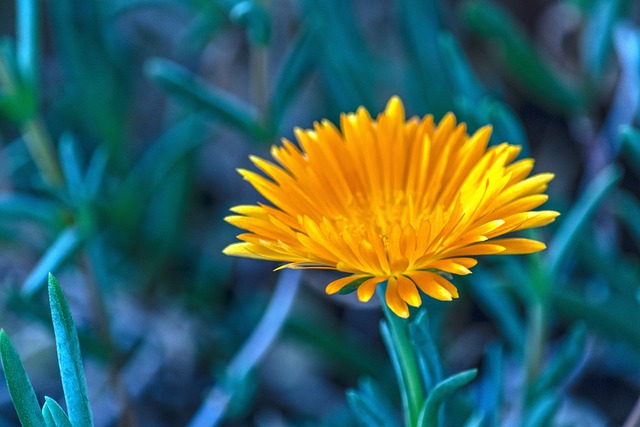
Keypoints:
pixel 121 124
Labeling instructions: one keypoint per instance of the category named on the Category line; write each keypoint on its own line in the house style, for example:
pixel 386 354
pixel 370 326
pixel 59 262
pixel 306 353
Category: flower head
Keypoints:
pixel 391 200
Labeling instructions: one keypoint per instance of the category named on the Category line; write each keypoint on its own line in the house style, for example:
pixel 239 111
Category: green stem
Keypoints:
pixel 411 379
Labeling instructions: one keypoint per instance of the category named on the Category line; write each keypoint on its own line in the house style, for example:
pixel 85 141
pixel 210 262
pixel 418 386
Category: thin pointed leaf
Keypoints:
pixel 385 333
pixel 564 362
pixel 500 307
pixel 185 86
pixel 462 77
pixel 74 383
pixel 54 414
pixel 574 221
pixel 426 349
pixel 297 66
pixel 631 146
pixel 16 206
pixel 520 57
pixel 542 412
pixel 595 44
pixel 71 167
pixel 429 412
pixel 58 252
pixel 475 420
pixel 370 406
pixel 22 395
pixel 491 385
pixel 95 171
pixel 28 40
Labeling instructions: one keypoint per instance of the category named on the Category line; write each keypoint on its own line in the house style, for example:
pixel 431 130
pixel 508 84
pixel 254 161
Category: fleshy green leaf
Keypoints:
pixel 542 412
pixel 370 407
pixel 429 412
pixel 426 349
pixel 54 414
pixel 22 395
pixel 520 57
pixel 186 87
pixel 491 385
pixel 564 361
pixel 74 383
pixel 576 219
pixel 293 72
pixel 58 252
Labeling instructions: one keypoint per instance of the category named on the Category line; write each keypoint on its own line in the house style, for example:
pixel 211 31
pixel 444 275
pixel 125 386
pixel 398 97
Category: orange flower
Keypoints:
pixel 391 200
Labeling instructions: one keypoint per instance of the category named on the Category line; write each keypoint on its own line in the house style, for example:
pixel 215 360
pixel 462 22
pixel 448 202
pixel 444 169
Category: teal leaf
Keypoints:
pixel 65 245
pixel 429 412
pixel 297 66
pixel 54 414
pixel 370 406
pixel 74 383
pixel 27 55
pixel 189 89
pixel 18 206
pixel 542 412
pixel 388 340
pixel 71 168
pixel 577 218
pixel 426 350
pixel 564 362
pixel 521 59
pixel 22 395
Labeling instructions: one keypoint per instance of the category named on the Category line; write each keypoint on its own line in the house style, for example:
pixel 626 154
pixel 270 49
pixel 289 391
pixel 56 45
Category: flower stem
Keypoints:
pixel 408 363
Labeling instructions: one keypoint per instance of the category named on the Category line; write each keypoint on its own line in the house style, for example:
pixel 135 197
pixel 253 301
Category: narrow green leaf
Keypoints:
pixel 54 414
pixel 71 168
pixel 576 219
pixel 595 44
pixel 542 412
pixel 616 317
pixel 28 40
pixel 419 22
pixel 426 349
pixel 65 245
pixel 521 59
pixel 255 18
pixel 388 341
pixel 296 67
pixel 631 146
pixel 475 420
pixel 74 383
pixel 186 87
pixel 95 171
pixel 506 125
pixel 429 412
pixel 491 385
pixel 563 363
pixel 499 306
pixel 22 395
pixel 15 206
pixel 370 406
pixel 463 80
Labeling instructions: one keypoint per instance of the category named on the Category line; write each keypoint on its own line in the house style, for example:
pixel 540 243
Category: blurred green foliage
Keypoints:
pixel 121 123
